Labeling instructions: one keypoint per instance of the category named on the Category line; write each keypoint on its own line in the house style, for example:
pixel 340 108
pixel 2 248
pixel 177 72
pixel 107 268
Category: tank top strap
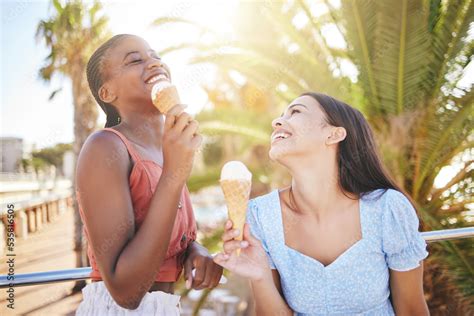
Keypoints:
pixel 135 156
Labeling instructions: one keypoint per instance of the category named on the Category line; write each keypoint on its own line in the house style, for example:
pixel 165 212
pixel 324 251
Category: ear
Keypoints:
pixel 106 94
pixel 338 134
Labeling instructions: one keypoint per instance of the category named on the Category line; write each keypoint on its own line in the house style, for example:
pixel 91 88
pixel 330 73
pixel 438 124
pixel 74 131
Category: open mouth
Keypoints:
pixel 156 78
pixel 280 136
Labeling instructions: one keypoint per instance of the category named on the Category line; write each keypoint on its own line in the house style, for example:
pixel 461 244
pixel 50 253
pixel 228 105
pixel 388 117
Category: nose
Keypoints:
pixel 154 63
pixel 277 122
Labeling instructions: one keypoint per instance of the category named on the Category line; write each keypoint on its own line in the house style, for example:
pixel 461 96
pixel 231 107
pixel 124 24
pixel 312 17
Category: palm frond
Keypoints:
pixel 464 173
pixel 262 72
pixel 401 54
pixel 445 134
pixel 161 21
pixel 450 29
pixel 360 32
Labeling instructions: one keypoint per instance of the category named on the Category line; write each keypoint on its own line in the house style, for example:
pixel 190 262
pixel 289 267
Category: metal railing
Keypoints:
pixel 76 274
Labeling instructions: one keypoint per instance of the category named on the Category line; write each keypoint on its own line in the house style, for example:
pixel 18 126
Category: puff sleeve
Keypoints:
pixel 402 243
pixel 256 229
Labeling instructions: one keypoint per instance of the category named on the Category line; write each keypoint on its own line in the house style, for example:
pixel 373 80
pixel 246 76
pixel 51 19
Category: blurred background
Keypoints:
pixel 407 65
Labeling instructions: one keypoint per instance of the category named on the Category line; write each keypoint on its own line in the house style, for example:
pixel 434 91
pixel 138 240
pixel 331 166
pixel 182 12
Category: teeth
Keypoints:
pixel 156 78
pixel 281 135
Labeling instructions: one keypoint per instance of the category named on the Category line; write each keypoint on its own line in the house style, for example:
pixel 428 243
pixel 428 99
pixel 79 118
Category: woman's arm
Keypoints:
pixel 253 264
pixel 269 296
pixel 407 292
pixel 404 250
pixel 129 261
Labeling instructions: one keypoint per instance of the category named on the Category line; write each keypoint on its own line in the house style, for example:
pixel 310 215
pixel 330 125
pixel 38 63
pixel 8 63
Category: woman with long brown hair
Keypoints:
pixel 343 238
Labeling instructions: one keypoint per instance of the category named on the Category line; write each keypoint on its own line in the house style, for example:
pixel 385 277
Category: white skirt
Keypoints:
pixel 97 301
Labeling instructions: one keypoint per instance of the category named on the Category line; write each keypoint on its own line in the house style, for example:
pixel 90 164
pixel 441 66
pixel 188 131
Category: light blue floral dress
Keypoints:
pixel 357 282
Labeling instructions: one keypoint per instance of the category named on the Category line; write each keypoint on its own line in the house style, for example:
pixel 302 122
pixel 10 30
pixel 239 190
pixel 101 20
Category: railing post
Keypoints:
pixel 44 213
pixel 31 220
pixel 56 208
pixel 38 211
pixel 21 224
pixel 49 212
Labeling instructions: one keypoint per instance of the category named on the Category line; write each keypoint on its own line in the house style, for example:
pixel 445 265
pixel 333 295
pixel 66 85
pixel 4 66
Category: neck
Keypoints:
pixel 315 186
pixel 146 128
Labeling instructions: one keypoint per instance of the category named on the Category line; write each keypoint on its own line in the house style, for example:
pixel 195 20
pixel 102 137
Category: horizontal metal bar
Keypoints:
pixel 448 234
pixel 36 278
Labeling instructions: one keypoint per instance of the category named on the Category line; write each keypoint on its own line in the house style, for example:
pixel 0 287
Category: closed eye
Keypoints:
pixel 136 61
pixel 295 111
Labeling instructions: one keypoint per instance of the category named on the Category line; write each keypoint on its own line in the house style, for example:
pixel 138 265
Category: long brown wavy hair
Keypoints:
pixel 359 165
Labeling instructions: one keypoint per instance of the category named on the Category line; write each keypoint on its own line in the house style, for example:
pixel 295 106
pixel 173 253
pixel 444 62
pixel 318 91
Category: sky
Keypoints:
pixel 25 109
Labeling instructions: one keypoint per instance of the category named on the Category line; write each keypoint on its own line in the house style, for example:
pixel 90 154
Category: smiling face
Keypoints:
pixel 130 70
pixel 302 130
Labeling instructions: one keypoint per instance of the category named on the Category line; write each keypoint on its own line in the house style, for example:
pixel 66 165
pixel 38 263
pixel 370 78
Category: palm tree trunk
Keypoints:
pixel 85 122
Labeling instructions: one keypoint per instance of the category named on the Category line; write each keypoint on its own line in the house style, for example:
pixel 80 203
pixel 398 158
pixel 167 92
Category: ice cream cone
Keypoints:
pixel 236 182
pixel 236 194
pixel 164 96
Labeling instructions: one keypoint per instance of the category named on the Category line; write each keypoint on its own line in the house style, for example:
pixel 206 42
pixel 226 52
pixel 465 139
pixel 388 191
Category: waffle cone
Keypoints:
pixel 165 98
pixel 236 193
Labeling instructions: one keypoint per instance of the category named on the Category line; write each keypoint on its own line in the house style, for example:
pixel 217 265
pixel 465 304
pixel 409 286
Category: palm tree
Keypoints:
pixel 410 58
pixel 71 34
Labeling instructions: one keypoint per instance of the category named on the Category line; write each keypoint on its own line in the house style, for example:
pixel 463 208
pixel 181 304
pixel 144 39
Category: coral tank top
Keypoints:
pixel 143 180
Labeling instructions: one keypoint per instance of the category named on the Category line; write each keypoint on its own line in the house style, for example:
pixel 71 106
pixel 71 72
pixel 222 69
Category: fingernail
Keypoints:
pixel 244 244
pixel 237 232
pixel 188 284
pixel 225 257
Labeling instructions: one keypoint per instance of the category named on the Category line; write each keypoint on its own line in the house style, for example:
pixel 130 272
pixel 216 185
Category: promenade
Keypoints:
pixel 45 250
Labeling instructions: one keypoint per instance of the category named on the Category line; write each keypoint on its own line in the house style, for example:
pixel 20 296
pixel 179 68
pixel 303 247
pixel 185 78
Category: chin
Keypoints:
pixel 278 153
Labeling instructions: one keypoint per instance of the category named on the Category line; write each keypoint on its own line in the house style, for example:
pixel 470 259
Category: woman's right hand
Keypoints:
pixel 180 142
pixel 252 262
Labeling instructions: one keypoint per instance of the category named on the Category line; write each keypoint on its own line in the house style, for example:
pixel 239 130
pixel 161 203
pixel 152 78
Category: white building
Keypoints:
pixel 11 154
pixel 68 164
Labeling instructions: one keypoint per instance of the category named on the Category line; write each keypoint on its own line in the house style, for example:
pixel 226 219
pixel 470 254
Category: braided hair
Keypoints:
pixel 95 78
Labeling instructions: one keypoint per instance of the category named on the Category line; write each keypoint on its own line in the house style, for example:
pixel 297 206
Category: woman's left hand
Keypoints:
pixel 207 274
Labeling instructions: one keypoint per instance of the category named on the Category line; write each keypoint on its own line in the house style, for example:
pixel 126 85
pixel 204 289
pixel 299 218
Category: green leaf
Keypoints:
pixel 360 27
pixel 57 6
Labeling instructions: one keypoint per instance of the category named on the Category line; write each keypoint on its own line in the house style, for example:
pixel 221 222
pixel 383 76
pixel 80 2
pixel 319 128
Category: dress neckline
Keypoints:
pixel 131 149
pixel 341 256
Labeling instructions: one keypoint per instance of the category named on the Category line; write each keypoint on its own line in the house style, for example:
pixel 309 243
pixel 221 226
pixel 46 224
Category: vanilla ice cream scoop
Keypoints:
pixel 159 86
pixel 235 170
pixel 164 96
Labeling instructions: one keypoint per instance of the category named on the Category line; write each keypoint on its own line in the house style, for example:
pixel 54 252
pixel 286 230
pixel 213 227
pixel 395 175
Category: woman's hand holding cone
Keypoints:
pixel 252 261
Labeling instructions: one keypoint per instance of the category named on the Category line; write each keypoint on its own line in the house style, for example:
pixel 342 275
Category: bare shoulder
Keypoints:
pixel 104 149
pixel 103 170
